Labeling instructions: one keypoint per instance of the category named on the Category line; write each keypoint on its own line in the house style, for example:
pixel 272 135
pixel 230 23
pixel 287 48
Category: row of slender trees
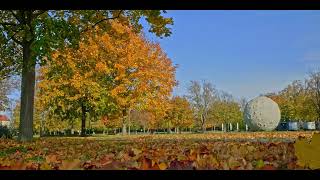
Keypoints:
pixel 212 107
pixel 180 113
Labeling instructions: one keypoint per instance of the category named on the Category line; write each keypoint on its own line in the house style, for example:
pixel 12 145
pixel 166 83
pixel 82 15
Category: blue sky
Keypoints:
pixel 245 53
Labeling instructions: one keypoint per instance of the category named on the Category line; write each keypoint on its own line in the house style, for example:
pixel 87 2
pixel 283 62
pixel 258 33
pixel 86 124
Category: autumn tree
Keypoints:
pixel 313 87
pixel 293 94
pixel 111 121
pixel 7 85
pixel 29 36
pixel 298 100
pixel 285 108
pixel 201 97
pixel 225 110
pixel 243 102
pixel 72 84
pixel 43 121
pixel 16 118
pixel 153 115
pixel 4 92
pixel 113 72
pixel 180 113
pixel 142 118
pixel 144 77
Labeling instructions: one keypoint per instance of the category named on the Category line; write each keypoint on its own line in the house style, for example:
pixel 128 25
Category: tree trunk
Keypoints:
pixel 41 125
pixel 124 128
pixel 144 129
pixel 203 128
pixel 89 124
pixel 124 125
pixel 129 128
pixel 83 120
pixel 203 123
pixel 27 94
pixel 41 131
pixel 72 126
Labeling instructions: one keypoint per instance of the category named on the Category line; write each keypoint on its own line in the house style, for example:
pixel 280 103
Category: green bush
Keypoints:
pixel 5 132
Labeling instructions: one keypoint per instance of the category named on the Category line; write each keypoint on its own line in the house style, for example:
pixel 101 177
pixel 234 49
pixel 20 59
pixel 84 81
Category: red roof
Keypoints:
pixel 4 118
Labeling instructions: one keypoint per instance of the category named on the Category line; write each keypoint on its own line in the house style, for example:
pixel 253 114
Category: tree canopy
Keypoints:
pixel 28 38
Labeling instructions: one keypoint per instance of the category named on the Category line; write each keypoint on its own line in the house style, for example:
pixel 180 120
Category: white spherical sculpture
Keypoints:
pixel 262 113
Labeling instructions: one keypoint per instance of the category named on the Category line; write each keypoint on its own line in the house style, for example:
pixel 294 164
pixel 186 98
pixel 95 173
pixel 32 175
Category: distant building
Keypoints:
pixel 4 120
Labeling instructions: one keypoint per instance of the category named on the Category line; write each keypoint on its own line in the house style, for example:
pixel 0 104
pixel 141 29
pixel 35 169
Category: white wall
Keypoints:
pixel 5 123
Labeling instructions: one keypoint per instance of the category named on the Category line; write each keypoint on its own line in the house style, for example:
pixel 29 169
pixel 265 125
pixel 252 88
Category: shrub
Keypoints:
pixel 5 132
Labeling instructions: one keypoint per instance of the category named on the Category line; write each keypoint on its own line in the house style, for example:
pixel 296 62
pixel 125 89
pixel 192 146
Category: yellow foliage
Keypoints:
pixel 141 74
pixel 308 153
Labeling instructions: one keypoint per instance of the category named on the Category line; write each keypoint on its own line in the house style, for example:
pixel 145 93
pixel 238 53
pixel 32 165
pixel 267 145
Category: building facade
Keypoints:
pixel 4 120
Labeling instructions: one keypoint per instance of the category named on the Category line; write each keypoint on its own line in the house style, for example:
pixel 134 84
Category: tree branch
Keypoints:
pixel 16 28
pixel 8 24
pixel 15 39
pixel 105 19
pixel 38 14
pixel 16 16
pixel 12 37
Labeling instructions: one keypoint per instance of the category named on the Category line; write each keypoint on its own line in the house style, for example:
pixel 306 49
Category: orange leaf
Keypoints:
pixel 146 164
pixel 163 166
pixel 69 165
pixel 268 167
pixel 51 158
